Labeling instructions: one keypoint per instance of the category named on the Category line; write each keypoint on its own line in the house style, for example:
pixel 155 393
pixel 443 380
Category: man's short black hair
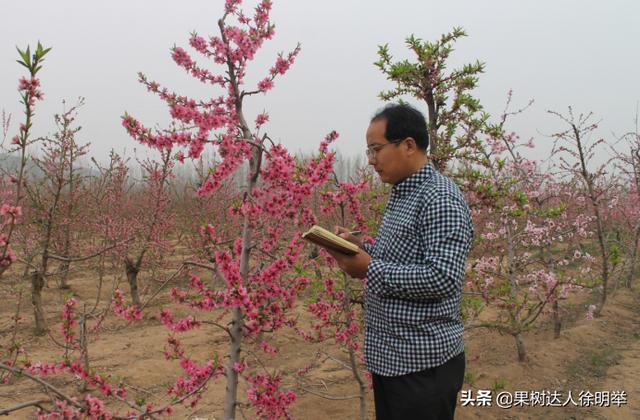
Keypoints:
pixel 404 121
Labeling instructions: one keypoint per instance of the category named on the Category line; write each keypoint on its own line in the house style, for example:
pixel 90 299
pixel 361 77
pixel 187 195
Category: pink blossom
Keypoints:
pixel 69 320
pixel 265 84
pixel 182 325
pixel 266 397
pixel 181 57
pixel 267 348
pixel 13 211
pixel 261 119
pixel 239 367
pixel 130 313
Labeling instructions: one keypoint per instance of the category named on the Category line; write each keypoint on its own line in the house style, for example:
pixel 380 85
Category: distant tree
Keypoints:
pixel 628 210
pixel 575 152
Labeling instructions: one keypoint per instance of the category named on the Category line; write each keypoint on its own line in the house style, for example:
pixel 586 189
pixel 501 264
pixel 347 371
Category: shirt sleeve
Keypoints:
pixel 446 232
pixel 368 247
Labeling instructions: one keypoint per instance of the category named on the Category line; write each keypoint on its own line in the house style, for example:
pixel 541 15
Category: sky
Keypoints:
pixel 563 52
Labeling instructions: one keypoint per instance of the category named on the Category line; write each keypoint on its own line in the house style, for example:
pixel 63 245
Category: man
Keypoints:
pixel 414 270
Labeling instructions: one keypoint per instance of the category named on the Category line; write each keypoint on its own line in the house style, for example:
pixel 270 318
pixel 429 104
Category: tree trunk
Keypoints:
pixel 522 353
pixel 132 271
pixel 230 397
pixel 557 322
pixel 432 128
pixel 213 281
pixel 64 266
pixel 634 259
pixel 313 254
pixel 362 388
pixel 605 263
pixel 64 270
pixel 234 357
pixel 37 284
pixel 84 348
pixel 237 321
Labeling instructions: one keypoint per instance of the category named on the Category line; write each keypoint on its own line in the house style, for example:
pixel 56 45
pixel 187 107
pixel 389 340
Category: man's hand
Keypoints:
pixel 345 233
pixel 354 265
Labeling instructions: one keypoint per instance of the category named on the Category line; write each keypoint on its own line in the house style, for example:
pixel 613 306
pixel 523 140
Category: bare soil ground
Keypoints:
pixel 598 355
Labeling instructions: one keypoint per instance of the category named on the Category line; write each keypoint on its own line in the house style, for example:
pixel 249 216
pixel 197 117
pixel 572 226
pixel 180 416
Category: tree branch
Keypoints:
pixel 327 396
pixel 36 403
pixel 86 257
pixel 178 271
pixel 45 384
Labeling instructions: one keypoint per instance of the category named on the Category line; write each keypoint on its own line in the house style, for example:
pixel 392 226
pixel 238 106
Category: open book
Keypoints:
pixel 326 239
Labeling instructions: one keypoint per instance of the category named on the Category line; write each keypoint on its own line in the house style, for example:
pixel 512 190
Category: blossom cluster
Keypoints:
pixel 346 194
pixel 31 89
pixel 124 311
pixel 265 395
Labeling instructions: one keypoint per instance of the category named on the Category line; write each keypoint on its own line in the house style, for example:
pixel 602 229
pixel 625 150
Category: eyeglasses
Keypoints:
pixel 373 150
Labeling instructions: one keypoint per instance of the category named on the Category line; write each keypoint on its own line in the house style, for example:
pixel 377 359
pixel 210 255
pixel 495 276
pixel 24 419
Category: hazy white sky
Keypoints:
pixel 561 52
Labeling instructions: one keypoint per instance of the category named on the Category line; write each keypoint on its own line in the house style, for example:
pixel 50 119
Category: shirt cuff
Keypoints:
pixel 375 277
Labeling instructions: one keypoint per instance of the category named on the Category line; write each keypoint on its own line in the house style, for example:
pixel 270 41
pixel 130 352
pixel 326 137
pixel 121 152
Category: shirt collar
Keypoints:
pixel 414 180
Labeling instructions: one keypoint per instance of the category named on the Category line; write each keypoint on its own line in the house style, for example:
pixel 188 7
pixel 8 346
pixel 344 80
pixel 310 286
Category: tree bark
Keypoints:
pixel 64 273
pixel 37 284
pixel 64 267
pixel 362 388
pixel 557 322
pixel 634 259
pixel 132 270
pixel 255 162
pixel 522 353
pixel 84 348
pixel 432 128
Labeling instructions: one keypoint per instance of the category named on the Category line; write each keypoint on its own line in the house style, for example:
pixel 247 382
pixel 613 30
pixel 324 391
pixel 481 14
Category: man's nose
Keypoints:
pixel 371 158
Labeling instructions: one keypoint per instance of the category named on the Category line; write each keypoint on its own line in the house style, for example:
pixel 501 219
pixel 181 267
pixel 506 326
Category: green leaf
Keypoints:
pixel 26 60
pixel 23 64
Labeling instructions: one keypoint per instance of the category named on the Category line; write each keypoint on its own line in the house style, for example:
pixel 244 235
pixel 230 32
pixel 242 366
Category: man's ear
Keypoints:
pixel 412 146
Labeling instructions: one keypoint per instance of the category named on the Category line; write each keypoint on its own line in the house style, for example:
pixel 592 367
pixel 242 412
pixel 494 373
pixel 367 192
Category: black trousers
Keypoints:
pixel 428 394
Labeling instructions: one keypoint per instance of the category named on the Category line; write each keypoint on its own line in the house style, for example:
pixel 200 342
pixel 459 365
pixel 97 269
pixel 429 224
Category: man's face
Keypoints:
pixel 388 159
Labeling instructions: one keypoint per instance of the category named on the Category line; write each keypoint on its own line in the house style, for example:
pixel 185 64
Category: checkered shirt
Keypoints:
pixel 414 280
